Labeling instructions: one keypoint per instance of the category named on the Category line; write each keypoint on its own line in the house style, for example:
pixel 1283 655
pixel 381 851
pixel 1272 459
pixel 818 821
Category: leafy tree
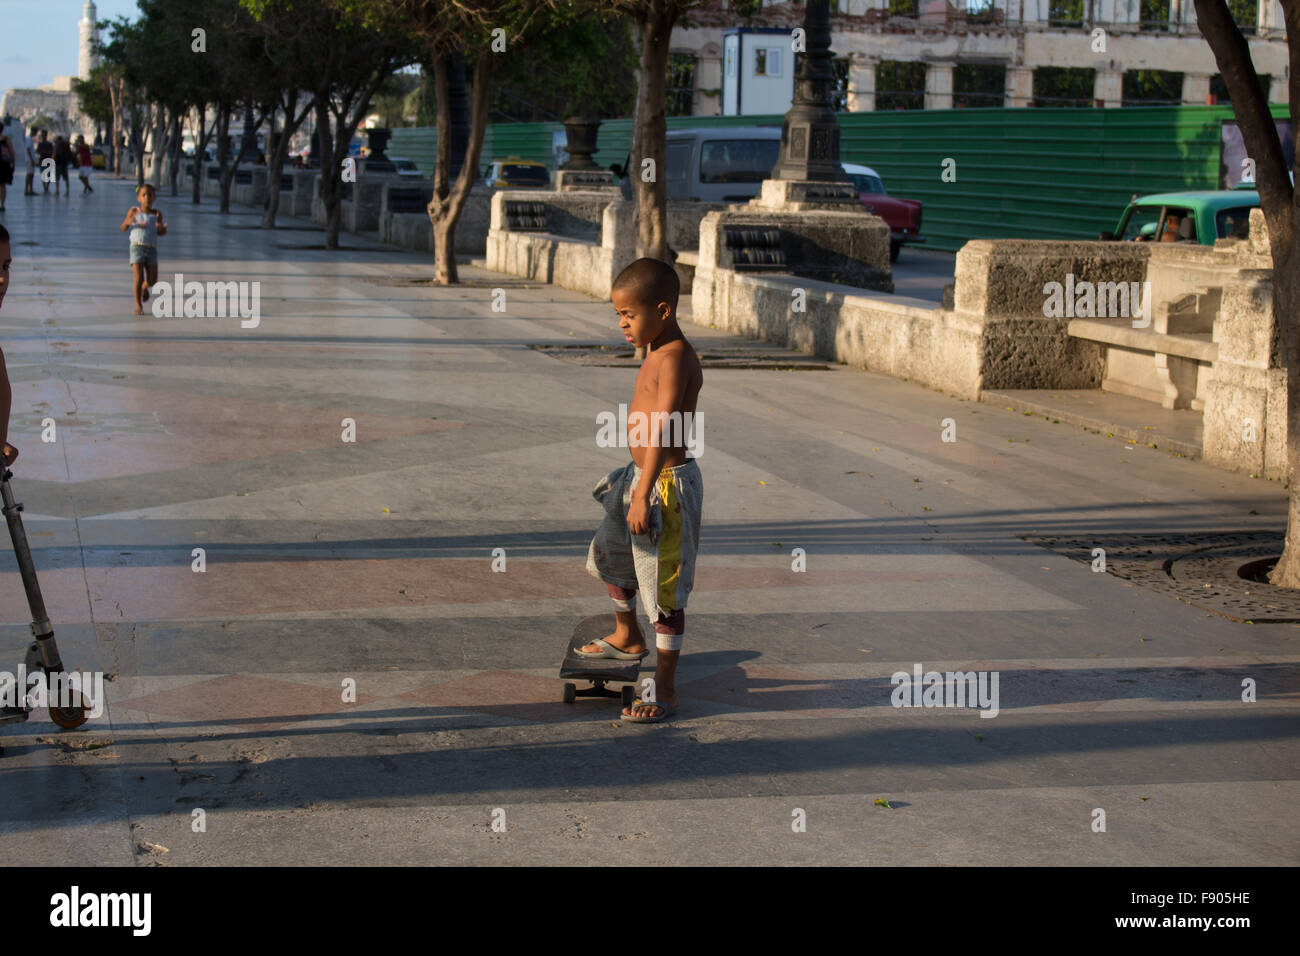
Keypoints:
pixel 344 53
pixel 125 50
pixel 488 31
pixel 1281 206
pixel 573 64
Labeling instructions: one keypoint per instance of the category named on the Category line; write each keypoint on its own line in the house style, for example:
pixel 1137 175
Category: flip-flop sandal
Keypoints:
pixel 609 653
pixel 668 711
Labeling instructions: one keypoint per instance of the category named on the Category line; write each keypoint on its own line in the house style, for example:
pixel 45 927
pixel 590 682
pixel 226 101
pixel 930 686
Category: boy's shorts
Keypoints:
pixel 661 564
pixel 146 255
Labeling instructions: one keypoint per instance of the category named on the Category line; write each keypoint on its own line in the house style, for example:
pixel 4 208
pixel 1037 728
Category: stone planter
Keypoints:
pixel 581 132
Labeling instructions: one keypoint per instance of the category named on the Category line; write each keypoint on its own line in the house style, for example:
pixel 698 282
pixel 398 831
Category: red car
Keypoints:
pixel 902 215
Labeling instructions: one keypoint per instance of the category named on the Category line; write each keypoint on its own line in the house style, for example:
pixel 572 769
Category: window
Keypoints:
pixel 865 183
pixel 520 175
pixel 738 160
pixel 1141 225
pixel 1233 223
pixel 1219 89
pixel 974 85
pixel 678 159
pixel 1245 13
pixel 1152 88
pixel 904 8
pixel 1153 15
pixel 1064 86
pixel 840 92
pixel 980 12
pixel 900 85
pixel 767 61
pixel 680 85
pixel 1065 13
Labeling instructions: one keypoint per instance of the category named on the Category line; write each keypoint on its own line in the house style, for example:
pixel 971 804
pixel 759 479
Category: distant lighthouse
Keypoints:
pixel 87 59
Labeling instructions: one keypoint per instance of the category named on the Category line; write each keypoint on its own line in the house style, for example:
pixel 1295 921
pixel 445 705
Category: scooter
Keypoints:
pixel 43 652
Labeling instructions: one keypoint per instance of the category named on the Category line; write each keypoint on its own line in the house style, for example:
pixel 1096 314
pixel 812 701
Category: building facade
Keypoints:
pixel 937 54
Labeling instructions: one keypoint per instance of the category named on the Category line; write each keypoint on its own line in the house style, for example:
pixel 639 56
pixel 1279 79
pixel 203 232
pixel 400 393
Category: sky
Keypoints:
pixel 38 38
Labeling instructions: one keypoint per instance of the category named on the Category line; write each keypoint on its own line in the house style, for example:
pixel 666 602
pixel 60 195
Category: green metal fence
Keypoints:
pixel 1016 173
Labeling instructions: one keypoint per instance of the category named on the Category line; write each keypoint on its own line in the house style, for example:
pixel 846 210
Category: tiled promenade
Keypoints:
pixel 371 560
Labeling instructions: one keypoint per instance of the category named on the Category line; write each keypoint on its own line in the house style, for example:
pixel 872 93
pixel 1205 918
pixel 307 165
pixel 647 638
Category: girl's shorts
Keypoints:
pixel 145 255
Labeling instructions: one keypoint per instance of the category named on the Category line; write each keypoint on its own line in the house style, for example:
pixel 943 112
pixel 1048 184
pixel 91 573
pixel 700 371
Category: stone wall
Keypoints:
pixel 556 254
pixel 996 336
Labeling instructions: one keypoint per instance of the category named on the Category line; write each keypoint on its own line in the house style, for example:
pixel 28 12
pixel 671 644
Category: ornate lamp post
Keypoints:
pixel 810 135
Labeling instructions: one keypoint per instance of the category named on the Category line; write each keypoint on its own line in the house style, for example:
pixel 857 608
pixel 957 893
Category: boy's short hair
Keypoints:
pixel 650 281
pixel 148 186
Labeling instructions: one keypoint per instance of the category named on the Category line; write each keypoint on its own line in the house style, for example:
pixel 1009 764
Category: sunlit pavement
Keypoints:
pixel 329 561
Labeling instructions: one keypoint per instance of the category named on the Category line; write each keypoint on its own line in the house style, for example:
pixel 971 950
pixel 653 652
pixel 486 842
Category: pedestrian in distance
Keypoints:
pixel 29 145
pixel 146 225
pixel 8 160
pixel 85 163
pixel 63 158
pixel 44 151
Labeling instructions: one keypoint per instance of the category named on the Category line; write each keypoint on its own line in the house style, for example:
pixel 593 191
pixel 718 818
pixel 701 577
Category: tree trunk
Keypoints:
pixel 1280 203
pixel 223 154
pixel 139 124
pixel 275 161
pixel 176 153
pixel 651 127
pixel 200 170
pixel 330 171
pixel 158 136
pixel 446 206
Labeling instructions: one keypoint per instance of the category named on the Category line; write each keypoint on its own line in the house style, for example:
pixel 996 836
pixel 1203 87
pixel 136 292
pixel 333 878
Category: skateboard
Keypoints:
pixel 596 672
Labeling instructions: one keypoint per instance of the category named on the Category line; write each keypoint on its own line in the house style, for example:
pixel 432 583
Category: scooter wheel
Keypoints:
pixel 69 718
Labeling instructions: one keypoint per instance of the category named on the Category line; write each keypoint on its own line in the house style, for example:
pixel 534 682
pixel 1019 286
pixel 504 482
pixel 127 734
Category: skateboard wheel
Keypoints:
pixel 570 693
pixel 629 695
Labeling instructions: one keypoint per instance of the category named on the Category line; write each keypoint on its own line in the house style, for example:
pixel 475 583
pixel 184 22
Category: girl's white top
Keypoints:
pixel 145 230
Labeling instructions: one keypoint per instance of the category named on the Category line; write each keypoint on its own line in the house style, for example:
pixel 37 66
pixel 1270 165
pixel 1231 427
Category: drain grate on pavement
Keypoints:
pixel 618 356
pixel 1197 569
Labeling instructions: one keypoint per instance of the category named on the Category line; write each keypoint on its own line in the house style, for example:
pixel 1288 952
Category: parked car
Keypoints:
pixel 903 216
pixel 1199 217
pixel 720 164
pixel 98 159
pixel 405 167
pixel 516 173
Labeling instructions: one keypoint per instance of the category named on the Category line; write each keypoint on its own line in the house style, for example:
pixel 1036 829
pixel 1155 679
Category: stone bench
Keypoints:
pixel 1169 369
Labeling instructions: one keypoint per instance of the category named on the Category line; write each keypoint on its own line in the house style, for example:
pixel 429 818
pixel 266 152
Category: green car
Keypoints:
pixel 1199 217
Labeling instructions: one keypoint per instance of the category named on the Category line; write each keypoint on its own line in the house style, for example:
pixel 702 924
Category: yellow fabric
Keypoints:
pixel 670 543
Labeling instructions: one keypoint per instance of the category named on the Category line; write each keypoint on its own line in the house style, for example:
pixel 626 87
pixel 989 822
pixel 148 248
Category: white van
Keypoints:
pixel 721 164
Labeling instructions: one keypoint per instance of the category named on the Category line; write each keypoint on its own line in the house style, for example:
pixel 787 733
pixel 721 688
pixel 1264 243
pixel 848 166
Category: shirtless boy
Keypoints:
pixel 651 530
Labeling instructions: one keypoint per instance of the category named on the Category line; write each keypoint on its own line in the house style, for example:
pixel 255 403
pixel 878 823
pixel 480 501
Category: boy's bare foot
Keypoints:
pixel 139 311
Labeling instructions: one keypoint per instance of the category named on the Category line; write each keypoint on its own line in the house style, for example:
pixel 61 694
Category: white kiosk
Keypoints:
pixel 757 71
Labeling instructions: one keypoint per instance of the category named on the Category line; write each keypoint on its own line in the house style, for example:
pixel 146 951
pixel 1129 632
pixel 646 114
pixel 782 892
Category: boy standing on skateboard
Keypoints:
pixel 650 534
